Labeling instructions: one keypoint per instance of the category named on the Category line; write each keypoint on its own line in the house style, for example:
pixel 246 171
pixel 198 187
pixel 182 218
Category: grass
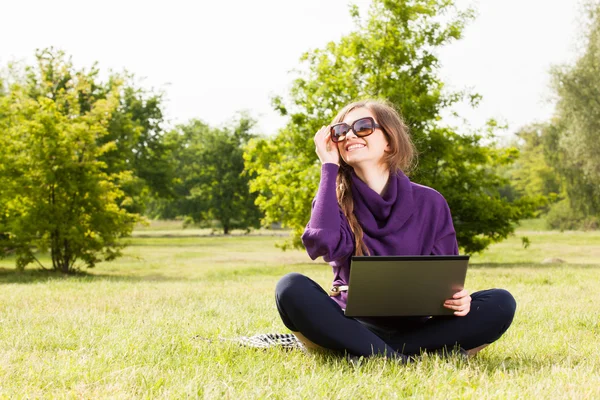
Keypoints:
pixel 534 224
pixel 140 327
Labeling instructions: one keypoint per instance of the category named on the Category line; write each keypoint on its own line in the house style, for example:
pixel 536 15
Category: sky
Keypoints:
pixel 215 58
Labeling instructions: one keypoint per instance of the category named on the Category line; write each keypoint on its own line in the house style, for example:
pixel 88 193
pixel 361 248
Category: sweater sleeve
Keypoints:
pixel 445 238
pixel 328 233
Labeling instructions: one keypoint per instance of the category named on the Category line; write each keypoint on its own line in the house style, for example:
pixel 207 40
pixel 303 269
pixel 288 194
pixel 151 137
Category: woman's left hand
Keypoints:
pixel 460 303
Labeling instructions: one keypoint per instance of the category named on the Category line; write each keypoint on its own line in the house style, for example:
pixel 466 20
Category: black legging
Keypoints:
pixel 306 308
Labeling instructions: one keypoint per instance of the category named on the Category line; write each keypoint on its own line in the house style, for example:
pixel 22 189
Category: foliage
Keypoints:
pixel 531 175
pixel 134 128
pixel 564 217
pixel 390 55
pixel 56 195
pixel 211 183
pixel 572 143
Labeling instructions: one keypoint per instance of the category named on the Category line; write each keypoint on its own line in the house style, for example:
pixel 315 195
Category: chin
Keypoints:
pixel 359 161
pixel 353 162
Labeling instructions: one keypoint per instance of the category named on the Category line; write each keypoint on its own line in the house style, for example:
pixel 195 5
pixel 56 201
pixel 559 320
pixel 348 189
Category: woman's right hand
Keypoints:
pixel 326 150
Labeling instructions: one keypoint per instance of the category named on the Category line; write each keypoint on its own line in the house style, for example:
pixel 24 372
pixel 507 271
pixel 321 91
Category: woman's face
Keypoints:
pixel 367 150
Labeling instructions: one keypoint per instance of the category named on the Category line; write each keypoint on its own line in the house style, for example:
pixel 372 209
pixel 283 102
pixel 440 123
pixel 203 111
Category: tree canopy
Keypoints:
pixel 134 128
pixel 211 181
pixel 532 175
pixel 572 141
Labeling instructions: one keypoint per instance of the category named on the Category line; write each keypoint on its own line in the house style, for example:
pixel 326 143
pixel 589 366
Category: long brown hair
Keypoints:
pixel 401 156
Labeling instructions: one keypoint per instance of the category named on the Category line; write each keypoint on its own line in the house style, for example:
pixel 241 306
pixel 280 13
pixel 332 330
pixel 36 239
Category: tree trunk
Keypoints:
pixel 59 254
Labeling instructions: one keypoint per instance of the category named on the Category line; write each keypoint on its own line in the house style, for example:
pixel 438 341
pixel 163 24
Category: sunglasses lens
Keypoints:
pixel 363 127
pixel 338 132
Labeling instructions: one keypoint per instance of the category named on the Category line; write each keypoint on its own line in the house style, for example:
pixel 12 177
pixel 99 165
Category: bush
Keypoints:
pixel 563 217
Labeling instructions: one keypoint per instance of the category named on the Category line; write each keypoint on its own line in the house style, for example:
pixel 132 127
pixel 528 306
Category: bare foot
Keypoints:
pixel 476 350
pixel 306 342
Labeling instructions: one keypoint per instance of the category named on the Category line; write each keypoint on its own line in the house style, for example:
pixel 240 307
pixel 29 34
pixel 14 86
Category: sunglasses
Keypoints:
pixel 361 127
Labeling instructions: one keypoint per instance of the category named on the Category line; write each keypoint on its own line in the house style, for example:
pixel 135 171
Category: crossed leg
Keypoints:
pixel 317 321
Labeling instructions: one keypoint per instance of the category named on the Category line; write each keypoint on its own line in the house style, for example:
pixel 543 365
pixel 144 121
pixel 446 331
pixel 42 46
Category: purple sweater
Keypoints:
pixel 409 219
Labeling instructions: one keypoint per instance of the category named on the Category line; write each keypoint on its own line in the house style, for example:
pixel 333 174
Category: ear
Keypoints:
pixel 387 147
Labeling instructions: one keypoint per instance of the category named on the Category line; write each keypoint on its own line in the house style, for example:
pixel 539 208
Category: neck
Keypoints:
pixel 375 176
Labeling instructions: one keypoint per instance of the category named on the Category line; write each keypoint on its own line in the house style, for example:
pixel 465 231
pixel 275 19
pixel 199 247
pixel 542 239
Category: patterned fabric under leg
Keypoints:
pixel 285 341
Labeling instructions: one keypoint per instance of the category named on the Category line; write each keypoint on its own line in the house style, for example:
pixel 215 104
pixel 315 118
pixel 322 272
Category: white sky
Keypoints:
pixel 214 58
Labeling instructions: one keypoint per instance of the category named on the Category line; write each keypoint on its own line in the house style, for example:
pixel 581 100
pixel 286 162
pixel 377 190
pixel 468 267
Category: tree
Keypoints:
pixel 212 184
pixel 572 143
pixel 55 193
pixel 390 55
pixel 134 129
pixel 531 175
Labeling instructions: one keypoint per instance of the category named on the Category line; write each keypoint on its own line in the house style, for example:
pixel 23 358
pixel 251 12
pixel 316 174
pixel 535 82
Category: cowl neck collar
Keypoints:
pixel 386 213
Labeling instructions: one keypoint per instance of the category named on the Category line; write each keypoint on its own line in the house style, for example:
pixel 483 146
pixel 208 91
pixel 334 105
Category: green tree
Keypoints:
pixel 572 143
pixel 55 194
pixel 390 55
pixel 531 175
pixel 211 182
pixel 135 127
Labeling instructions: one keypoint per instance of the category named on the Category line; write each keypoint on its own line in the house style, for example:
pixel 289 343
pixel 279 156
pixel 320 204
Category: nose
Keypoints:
pixel 350 132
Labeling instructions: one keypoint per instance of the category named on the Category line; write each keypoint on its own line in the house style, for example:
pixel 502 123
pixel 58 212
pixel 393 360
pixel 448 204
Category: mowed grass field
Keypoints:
pixel 149 326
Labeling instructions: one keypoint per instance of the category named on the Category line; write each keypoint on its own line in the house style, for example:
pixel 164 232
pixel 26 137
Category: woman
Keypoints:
pixel 365 205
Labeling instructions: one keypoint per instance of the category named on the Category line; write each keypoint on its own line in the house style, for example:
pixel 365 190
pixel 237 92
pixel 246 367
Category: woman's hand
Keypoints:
pixel 460 303
pixel 326 150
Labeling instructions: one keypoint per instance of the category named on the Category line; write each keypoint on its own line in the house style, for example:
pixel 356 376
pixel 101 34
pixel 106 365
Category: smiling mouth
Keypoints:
pixel 355 146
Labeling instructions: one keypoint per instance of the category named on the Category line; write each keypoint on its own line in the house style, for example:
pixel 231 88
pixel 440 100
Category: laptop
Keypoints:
pixel 403 285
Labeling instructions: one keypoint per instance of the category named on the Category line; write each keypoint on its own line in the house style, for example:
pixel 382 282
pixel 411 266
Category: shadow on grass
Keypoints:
pixel 27 276
pixel 484 265
pixel 11 275
pixel 482 362
pixel 523 362
pixel 486 364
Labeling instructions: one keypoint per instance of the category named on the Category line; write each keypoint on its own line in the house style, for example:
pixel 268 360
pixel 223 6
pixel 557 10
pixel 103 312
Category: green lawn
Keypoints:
pixel 135 327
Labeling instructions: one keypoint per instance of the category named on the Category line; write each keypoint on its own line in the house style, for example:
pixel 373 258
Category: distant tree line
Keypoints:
pixel 210 182
pixel 560 158
pixel 81 160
